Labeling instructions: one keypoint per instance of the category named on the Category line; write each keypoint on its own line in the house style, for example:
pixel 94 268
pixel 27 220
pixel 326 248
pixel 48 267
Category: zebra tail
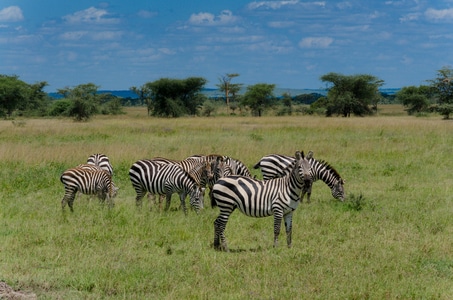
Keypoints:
pixel 257 165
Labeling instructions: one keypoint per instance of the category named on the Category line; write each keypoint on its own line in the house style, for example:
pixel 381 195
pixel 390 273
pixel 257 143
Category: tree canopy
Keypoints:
pixel 415 99
pixel 351 93
pixel 443 90
pixel 259 97
pixel 175 97
pixel 228 88
pixel 16 95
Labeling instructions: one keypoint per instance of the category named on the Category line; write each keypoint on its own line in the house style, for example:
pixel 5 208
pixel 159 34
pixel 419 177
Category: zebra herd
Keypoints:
pixel 286 180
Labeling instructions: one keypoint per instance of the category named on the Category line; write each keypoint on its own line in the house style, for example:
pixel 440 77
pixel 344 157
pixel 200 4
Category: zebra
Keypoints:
pixel 237 167
pixel 159 179
pixel 102 161
pixel 260 198
pixel 198 167
pixel 89 182
pixel 276 165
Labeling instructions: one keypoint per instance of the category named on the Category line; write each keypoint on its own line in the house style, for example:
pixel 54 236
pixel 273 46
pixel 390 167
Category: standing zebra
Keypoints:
pixel 159 179
pixel 277 165
pixel 86 181
pixel 101 161
pixel 260 198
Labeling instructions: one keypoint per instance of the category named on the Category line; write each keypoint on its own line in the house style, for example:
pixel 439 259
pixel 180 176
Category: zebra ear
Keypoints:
pixel 310 154
pixel 299 155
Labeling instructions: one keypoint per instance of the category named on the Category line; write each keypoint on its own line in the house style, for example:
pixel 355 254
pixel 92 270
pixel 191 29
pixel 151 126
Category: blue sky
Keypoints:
pixel 119 44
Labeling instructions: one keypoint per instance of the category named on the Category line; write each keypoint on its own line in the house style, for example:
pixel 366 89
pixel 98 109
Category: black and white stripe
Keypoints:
pixel 89 182
pixel 260 198
pixel 102 161
pixel 164 179
pixel 276 165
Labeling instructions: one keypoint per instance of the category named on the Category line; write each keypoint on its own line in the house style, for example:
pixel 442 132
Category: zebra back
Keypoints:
pixel 277 165
pixel 102 161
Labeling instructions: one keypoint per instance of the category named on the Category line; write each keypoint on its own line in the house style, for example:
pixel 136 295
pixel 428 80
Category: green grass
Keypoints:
pixel 391 239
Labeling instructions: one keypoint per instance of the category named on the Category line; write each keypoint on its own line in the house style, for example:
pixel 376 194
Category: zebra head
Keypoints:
pixel 196 198
pixel 303 167
pixel 338 190
pixel 220 168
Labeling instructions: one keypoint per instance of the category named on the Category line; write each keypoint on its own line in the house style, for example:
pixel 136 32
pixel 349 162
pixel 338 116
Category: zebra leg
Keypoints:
pixel 139 197
pixel 278 215
pixel 219 233
pixel 71 202
pixel 289 226
pixel 182 197
pixel 168 201
pixel 110 201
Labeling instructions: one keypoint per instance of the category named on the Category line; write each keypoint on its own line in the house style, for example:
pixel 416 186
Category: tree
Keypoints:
pixel 144 94
pixel 38 101
pixel 259 97
pixel 416 99
pixel 176 97
pixel 443 89
pixel 85 101
pixel 13 94
pixel 228 88
pixel 287 102
pixel 351 94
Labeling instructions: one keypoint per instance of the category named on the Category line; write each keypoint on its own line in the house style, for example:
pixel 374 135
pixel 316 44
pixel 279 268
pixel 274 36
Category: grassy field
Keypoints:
pixel 391 239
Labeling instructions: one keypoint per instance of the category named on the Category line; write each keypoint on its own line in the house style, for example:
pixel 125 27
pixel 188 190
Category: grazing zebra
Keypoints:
pixel 260 198
pixel 276 165
pixel 198 167
pixel 89 182
pixel 101 161
pixel 159 179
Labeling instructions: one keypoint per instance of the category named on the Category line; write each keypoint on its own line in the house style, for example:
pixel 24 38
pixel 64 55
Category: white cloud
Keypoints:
pixel 409 17
pixel 146 14
pixel 225 17
pixel 106 35
pixel 439 14
pixel 281 24
pixel 280 4
pixel 11 14
pixel 316 42
pixel 90 15
pixel 271 4
pixel 344 5
pixel 73 35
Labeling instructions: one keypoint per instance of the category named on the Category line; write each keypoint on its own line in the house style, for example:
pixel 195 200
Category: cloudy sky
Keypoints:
pixel 118 44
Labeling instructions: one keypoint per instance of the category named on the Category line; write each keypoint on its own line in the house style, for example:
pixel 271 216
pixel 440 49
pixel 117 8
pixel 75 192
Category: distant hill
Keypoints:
pixel 215 93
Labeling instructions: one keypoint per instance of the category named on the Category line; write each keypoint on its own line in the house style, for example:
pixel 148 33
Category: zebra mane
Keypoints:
pixel 330 168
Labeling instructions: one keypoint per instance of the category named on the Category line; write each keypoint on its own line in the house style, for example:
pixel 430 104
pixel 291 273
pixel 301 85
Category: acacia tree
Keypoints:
pixel 443 89
pixel 228 88
pixel 84 101
pixel 259 97
pixel 144 94
pixel 176 97
pixel 13 93
pixel 416 99
pixel 351 94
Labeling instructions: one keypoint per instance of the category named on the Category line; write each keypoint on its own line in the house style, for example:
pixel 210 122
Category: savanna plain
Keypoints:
pixel 392 238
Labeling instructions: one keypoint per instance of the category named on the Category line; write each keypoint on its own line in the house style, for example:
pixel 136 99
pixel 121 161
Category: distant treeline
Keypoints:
pixel 129 98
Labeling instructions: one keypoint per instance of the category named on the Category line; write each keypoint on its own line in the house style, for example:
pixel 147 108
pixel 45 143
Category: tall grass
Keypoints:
pixel 391 239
